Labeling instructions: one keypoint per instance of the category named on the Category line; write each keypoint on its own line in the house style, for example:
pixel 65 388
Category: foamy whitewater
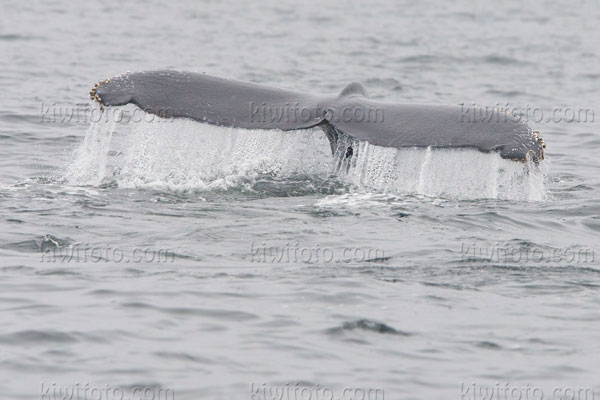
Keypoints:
pixel 182 154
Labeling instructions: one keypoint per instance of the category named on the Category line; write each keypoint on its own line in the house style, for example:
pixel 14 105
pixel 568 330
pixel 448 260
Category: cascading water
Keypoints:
pixel 454 173
pixel 181 154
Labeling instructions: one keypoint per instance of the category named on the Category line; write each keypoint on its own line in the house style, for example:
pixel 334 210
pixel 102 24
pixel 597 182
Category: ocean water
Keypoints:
pixel 201 262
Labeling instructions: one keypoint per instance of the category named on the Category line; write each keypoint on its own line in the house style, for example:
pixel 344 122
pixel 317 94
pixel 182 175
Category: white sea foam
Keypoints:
pixel 183 154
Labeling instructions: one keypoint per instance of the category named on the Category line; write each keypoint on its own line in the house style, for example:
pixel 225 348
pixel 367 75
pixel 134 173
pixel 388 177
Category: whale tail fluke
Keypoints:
pixel 351 114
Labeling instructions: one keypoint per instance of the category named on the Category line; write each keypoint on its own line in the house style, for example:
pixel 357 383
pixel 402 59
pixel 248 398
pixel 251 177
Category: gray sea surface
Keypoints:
pixel 214 263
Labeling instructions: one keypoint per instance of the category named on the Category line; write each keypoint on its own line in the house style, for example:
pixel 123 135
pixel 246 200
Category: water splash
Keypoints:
pixel 451 173
pixel 181 154
pixel 89 163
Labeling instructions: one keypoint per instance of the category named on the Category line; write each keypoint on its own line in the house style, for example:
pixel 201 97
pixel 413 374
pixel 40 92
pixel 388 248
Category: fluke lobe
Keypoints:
pixel 349 114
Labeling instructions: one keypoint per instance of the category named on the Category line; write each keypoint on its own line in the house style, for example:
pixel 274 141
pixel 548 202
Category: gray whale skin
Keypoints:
pixel 351 113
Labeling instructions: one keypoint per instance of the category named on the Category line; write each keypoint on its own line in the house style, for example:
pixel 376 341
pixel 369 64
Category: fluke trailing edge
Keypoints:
pixel 350 113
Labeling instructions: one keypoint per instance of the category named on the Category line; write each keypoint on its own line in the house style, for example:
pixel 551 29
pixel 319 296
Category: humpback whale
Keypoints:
pixel 349 114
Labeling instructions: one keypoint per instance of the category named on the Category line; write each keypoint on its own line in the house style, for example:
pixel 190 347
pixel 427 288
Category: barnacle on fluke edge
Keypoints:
pixel 93 94
pixel 540 142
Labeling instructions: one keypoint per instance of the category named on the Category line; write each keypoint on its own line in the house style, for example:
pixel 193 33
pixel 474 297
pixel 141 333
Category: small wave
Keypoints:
pixel 428 59
pixel 180 356
pixel 503 60
pixel 219 314
pixel 38 337
pixel 367 325
pixel 485 344
pixel 14 37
